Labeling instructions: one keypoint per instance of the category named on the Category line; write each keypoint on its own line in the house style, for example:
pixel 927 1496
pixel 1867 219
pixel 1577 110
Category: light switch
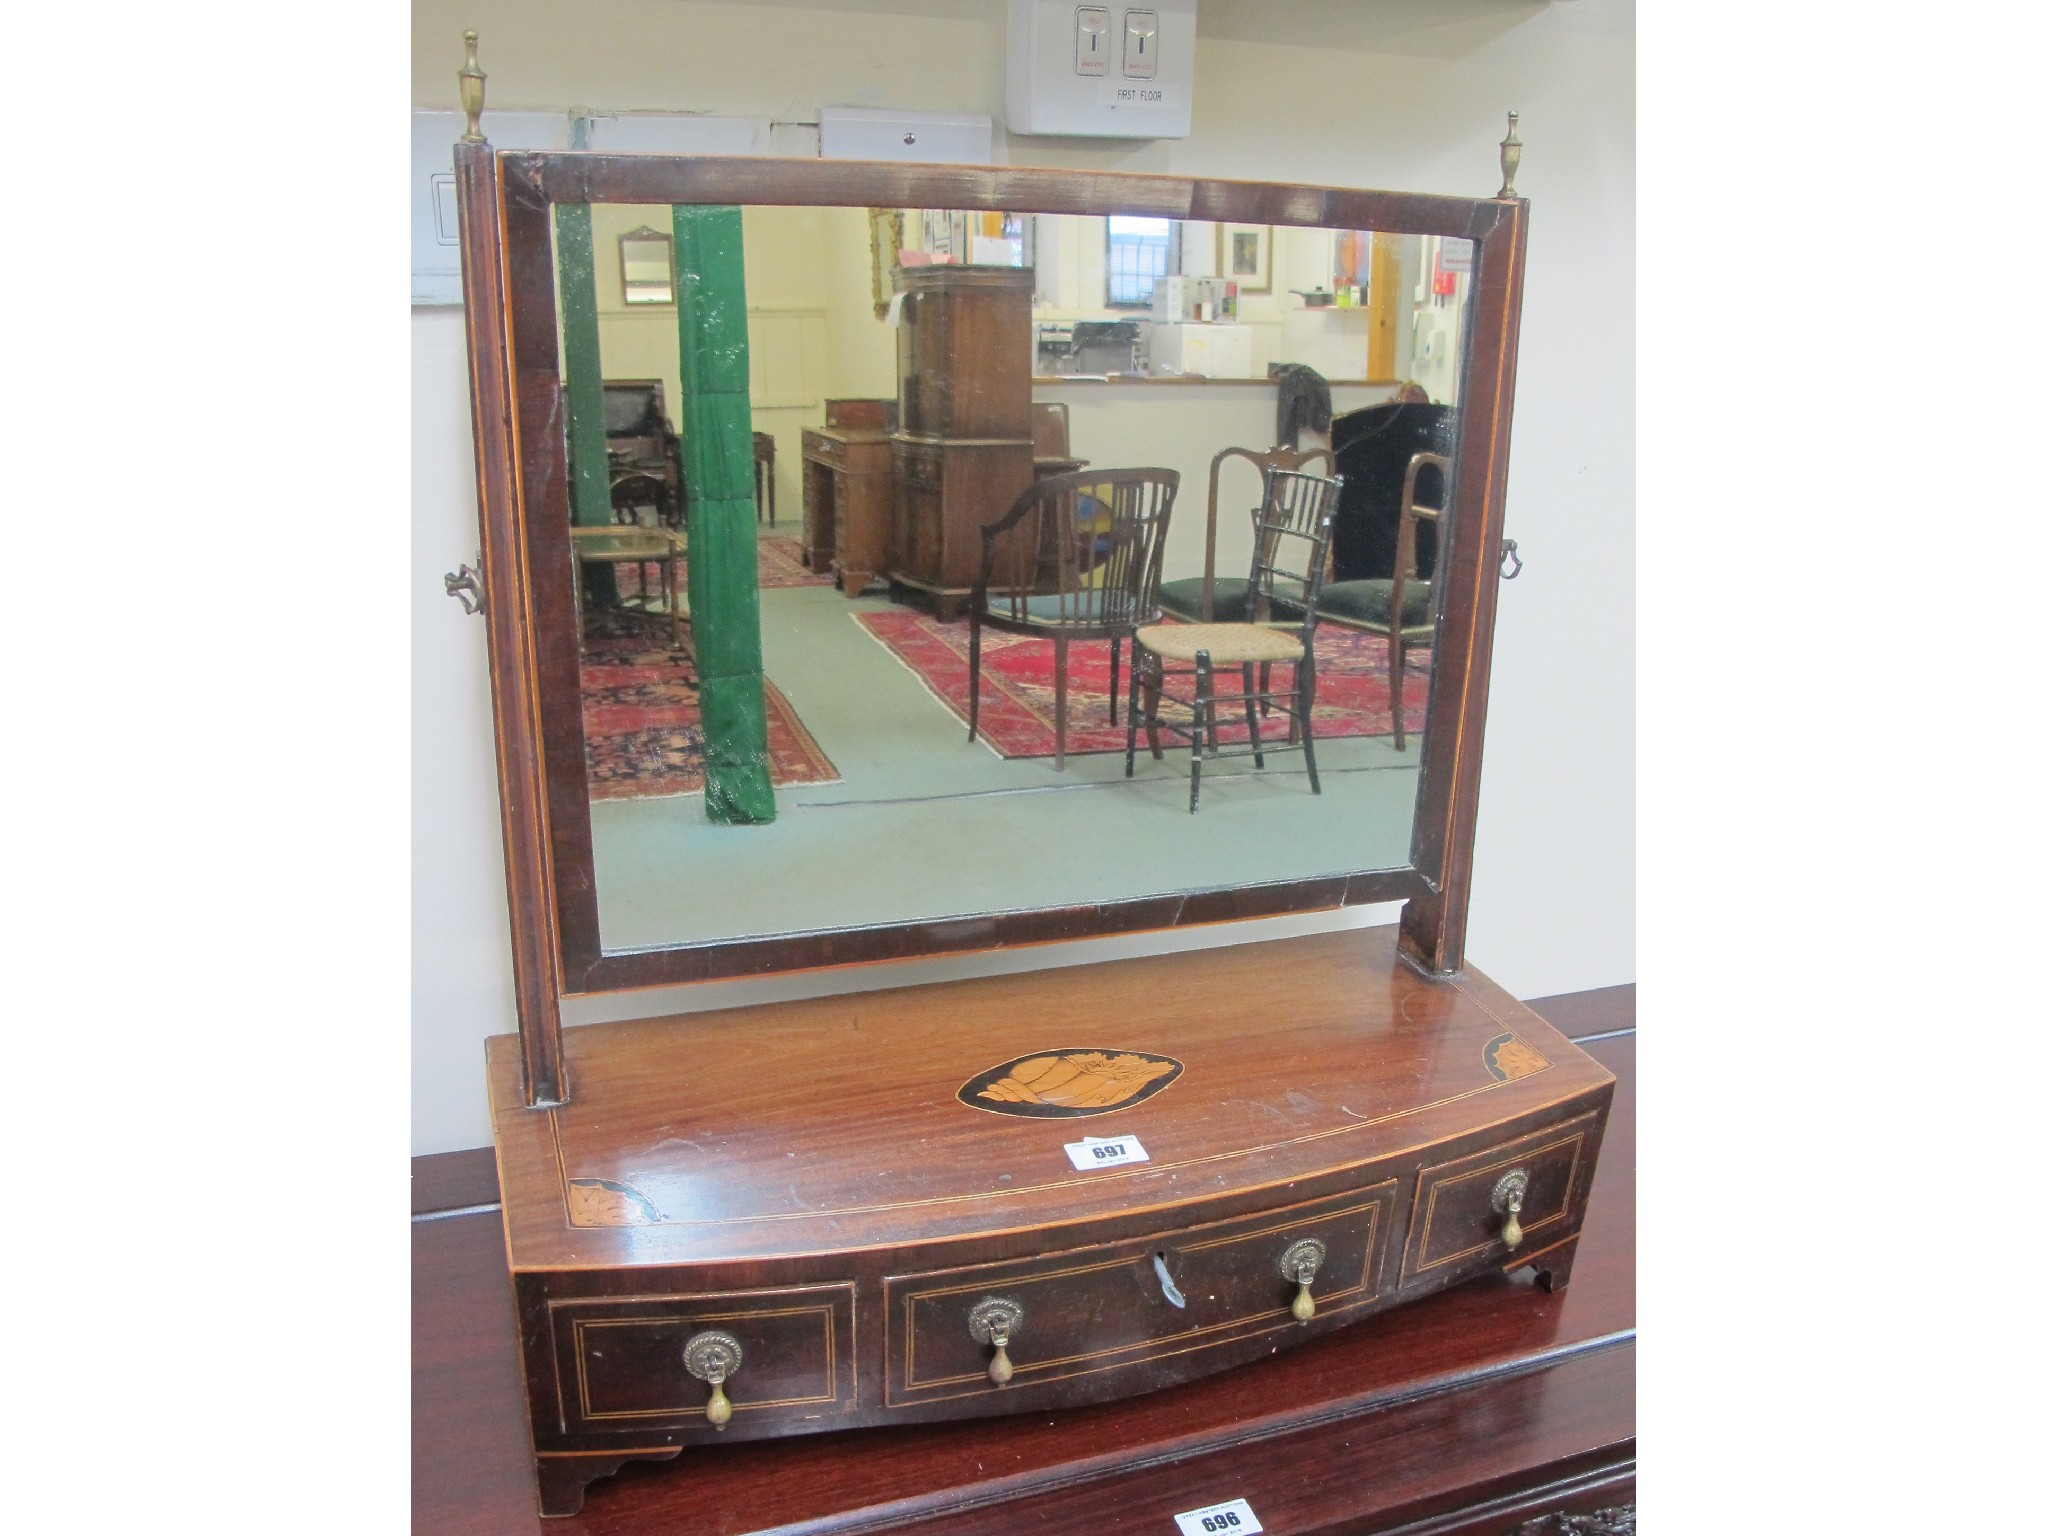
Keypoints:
pixel 1091 40
pixel 1141 44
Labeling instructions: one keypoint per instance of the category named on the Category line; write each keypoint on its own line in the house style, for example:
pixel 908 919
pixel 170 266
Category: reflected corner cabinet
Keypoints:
pixel 1010 1194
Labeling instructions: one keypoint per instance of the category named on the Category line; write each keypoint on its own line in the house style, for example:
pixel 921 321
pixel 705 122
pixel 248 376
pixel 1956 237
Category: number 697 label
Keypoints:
pixel 1106 1152
pixel 1235 1519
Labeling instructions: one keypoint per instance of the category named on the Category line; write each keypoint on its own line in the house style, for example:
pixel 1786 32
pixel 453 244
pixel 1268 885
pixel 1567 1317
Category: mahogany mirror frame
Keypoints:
pixel 508 281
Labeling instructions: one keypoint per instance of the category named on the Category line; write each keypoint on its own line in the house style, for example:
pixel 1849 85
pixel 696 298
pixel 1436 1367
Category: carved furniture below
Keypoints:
pixel 847 1187
pixel 964 451
pixel 1473 1409
pixel 1077 558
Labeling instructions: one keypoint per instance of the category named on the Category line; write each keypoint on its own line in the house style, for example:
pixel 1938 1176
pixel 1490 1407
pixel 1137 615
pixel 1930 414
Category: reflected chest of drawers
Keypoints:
pixel 1267 1142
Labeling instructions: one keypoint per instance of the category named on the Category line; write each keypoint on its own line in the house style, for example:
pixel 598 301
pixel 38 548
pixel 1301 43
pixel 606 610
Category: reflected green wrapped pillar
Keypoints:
pixel 590 497
pixel 718 460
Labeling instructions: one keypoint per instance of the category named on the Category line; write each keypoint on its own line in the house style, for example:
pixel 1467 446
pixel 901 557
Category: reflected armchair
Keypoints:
pixel 1075 558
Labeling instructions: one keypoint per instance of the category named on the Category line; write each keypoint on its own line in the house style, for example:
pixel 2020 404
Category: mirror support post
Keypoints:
pixel 1447 798
pixel 511 631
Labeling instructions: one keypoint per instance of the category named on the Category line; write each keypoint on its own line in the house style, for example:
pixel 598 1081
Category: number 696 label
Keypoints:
pixel 1235 1519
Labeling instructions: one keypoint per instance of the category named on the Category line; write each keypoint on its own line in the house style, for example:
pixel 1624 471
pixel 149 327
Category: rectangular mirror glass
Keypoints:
pixel 1012 348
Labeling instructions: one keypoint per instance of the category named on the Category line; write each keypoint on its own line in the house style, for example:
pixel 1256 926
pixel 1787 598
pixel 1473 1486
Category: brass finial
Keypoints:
pixel 472 79
pixel 1510 157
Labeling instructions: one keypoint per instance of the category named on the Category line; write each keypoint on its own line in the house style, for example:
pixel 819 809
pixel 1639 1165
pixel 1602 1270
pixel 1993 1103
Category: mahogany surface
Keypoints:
pixel 831 1124
pixel 838 1183
pixel 1474 1409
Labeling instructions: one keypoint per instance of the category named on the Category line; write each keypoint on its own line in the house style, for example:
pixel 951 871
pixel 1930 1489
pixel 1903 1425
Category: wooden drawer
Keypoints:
pixel 824 450
pixel 1456 1230
pixel 1091 1311
pixel 921 468
pixel 619 1360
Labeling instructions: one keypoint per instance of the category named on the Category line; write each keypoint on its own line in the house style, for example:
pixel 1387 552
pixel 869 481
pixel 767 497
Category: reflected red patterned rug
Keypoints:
pixel 643 730
pixel 780 561
pixel 1352 692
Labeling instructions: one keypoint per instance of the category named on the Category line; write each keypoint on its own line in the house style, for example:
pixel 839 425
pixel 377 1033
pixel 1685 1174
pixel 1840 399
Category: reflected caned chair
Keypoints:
pixel 1290 554
pixel 1075 558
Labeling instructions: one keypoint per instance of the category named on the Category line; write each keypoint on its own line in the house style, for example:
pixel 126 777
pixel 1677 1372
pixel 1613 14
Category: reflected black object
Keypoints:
pixel 632 410
pixel 1102 346
pixel 1304 401
pixel 1373 447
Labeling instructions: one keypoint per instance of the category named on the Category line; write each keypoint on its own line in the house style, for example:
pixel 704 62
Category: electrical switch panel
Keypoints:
pixel 1091 40
pixel 1104 71
pixel 1141 45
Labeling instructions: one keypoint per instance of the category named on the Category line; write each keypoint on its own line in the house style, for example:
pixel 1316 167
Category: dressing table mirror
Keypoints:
pixel 872 1209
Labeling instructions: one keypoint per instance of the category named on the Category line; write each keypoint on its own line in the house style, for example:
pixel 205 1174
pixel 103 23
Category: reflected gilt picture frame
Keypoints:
pixel 885 248
pixel 1244 256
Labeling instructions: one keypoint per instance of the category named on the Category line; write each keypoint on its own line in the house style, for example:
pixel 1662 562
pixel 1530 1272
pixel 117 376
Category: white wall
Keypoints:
pixel 1407 94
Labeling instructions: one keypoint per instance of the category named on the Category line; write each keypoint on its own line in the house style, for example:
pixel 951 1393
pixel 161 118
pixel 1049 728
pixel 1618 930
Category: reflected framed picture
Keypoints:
pixel 1244 256
pixel 885 250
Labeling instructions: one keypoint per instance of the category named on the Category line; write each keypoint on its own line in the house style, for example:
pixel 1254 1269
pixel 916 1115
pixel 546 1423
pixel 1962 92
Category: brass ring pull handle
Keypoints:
pixel 994 1320
pixel 713 1357
pixel 1508 552
pixel 1508 1195
pixel 1299 1264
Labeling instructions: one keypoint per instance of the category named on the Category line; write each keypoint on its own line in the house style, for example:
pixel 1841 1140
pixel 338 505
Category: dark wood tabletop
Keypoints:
pixel 1471 1411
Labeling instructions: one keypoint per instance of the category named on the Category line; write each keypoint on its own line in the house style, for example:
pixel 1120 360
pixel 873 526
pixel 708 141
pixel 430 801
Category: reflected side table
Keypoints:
pixel 662 548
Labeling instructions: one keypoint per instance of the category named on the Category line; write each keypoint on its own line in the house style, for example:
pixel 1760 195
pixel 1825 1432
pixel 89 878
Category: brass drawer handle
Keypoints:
pixel 993 1321
pixel 1299 1264
pixel 1508 1195
pixel 713 1357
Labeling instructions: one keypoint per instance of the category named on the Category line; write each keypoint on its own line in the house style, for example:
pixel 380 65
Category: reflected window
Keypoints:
pixel 1141 251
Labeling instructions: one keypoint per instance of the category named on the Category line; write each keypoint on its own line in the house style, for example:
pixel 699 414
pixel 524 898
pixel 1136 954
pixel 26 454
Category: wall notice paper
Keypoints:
pixel 1106 1152
pixel 1236 1517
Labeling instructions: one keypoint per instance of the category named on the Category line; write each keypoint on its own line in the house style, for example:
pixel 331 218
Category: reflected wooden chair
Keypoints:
pixel 1290 555
pixel 1402 607
pixel 1205 599
pixel 1075 558
pixel 764 466
pixel 637 434
pixel 1051 452
pixel 639 499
